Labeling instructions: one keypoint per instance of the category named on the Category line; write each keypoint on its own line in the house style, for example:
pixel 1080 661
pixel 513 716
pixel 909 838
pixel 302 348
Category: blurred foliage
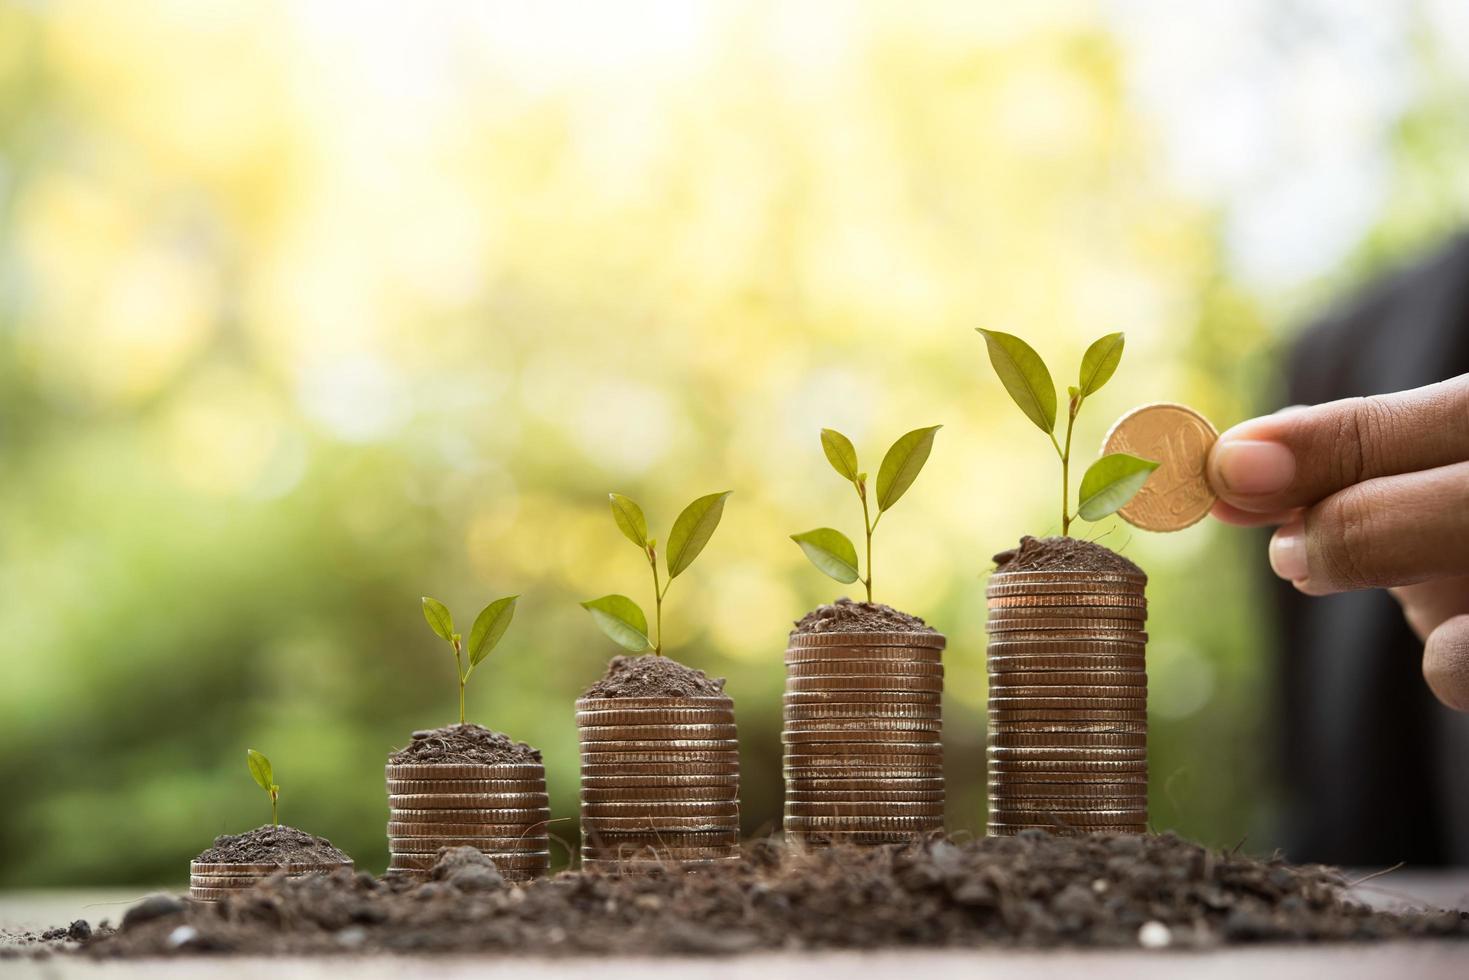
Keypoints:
pixel 308 311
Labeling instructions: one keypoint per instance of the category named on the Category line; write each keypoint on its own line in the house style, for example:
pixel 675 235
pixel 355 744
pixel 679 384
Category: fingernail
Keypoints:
pixel 1288 552
pixel 1248 466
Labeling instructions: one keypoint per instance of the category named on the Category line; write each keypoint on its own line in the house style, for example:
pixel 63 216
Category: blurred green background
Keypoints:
pixel 307 310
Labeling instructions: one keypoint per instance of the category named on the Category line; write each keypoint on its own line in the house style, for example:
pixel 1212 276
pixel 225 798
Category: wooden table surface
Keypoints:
pixel 1396 961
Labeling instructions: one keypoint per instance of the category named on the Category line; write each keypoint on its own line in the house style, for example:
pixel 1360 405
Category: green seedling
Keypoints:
pixel 1110 482
pixel 829 549
pixel 617 615
pixel 261 772
pixel 489 626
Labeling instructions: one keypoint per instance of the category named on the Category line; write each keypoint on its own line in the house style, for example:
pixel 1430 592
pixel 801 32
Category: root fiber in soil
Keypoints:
pixel 463 744
pixel 272 845
pixel 654 676
pixel 1062 554
pixel 1034 890
pixel 846 616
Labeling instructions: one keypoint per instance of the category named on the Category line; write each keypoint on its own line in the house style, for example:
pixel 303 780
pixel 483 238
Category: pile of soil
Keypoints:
pixel 1033 890
pixel 654 676
pixel 272 845
pixel 1062 554
pixel 846 616
pixel 463 743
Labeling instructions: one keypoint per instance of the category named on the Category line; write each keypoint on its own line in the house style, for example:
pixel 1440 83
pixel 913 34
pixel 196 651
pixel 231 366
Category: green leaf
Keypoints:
pixel 1024 376
pixel 692 530
pixel 260 770
pixel 489 626
pixel 438 618
pixel 1099 362
pixel 901 465
pixel 831 551
pixel 629 518
pixel 1110 483
pixel 621 619
pixel 840 453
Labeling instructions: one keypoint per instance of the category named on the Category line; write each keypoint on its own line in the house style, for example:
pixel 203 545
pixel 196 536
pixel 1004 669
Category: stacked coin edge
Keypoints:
pixel 211 881
pixel 500 809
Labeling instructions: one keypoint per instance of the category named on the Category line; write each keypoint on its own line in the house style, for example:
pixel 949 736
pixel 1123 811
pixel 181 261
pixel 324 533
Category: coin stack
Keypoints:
pixel 660 782
pixel 862 736
pixel 1068 698
pixel 211 881
pixel 501 809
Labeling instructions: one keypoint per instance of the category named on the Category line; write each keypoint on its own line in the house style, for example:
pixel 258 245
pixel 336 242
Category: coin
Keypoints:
pixel 888 823
pixel 1004 620
pixel 807 795
pixel 925 655
pixel 861 712
pixel 919 698
pixel 263 868
pixel 854 682
pixel 436 786
pixel 898 639
pixel 839 838
pixel 593 794
pixel 727 768
pixel 1131 613
pixel 469 814
pixel 1135 681
pixel 680 703
pixel 671 745
pixel 812 783
pixel 1177 494
pixel 625 761
pixel 656 716
pixel 1099 818
pixel 661 839
pixel 1054 576
pixel 222 881
pixel 661 824
pixel 802 775
pixel 862 736
pixel 1063 829
pixel 1061 740
pixel 421 828
pixel 1069 601
pixel 1011 787
pixel 431 845
pixel 465 770
pixel 1044 645
pixel 883 668
pixel 461 801
pixel 528 860
pixel 661 734
pixel 864 725
pixel 880 808
pixel 1049 771
pixel 1007 715
pixel 660 808
pixel 1136 755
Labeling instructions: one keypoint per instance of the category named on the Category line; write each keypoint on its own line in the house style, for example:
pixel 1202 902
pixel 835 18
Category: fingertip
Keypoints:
pixel 1446 662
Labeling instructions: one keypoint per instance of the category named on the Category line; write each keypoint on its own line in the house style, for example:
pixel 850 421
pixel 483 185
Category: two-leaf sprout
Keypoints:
pixel 489 626
pixel 1110 482
pixel 829 549
pixel 261 772
pixel 617 615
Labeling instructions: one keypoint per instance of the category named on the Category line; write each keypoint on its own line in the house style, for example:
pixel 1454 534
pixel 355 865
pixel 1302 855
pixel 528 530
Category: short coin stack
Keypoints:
pixel 501 809
pixel 660 782
pixel 862 736
pixel 211 881
pixel 1068 722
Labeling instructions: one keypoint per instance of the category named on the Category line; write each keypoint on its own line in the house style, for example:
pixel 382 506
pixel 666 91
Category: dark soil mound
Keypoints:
pixel 463 743
pixel 652 676
pixel 1032 890
pixel 846 616
pixel 272 845
pixel 1062 555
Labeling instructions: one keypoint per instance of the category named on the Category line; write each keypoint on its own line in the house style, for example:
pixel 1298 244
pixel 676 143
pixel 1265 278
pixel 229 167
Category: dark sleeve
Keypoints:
pixel 1367 755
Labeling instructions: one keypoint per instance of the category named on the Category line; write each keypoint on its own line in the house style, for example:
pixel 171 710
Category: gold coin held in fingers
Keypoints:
pixel 1177 494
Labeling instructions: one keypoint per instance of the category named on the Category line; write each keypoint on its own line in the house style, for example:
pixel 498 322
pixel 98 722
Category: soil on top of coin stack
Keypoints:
pixel 461 744
pixel 1032 890
pixel 272 845
pixel 1064 554
pixel 846 616
pixel 652 676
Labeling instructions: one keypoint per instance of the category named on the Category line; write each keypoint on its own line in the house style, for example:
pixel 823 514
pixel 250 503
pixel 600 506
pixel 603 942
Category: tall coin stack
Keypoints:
pixel 499 808
pixel 660 782
pixel 862 736
pixel 1068 698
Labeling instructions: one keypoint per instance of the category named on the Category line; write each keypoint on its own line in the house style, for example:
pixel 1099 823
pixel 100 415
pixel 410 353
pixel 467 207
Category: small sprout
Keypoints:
pixel 829 549
pixel 261 772
pixel 489 626
pixel 1110 482
pixel 620 617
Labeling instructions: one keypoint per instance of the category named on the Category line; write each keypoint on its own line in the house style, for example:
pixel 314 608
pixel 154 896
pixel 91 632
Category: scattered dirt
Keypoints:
pixel 268 845
pixel 463 743
pixel 1032 890
pixel 652 676
pixel 846 616
pixel 1063 555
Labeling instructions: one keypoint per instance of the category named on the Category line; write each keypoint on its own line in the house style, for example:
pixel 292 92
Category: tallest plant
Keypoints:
pixel 1111 481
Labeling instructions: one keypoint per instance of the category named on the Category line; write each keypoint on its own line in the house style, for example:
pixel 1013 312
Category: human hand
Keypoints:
pixel 1368 493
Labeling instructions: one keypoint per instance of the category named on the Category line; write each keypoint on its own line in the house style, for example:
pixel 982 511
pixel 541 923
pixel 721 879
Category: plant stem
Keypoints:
pixel 273 816
pixel 459 673
pixel 461 700
pixel 658 593
pixel 862 492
